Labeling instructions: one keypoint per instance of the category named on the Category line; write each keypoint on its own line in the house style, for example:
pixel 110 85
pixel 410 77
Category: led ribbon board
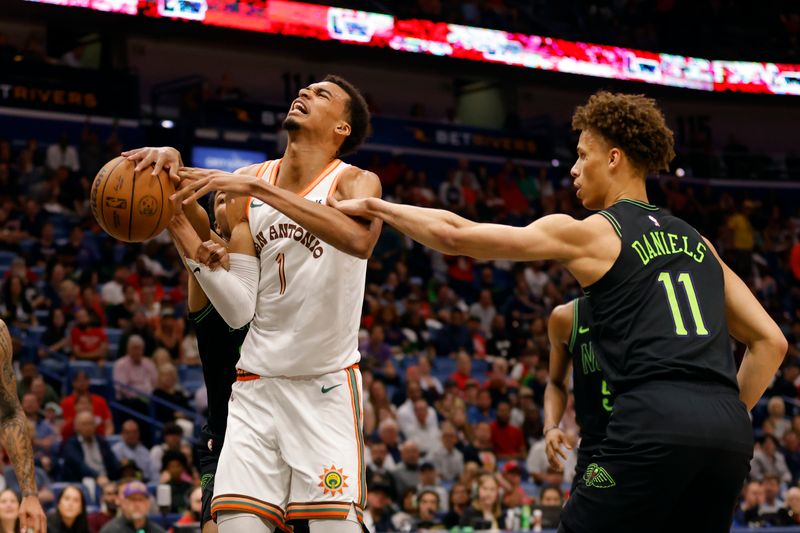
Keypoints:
pixel 325 23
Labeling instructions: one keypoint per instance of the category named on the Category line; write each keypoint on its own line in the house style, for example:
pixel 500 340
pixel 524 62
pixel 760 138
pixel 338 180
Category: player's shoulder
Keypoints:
pixel 562 314
pixel 353 177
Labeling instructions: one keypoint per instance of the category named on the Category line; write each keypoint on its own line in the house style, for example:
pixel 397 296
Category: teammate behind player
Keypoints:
pixel 16 440
pixel 663 305
pixel 294 444
pixel 569 330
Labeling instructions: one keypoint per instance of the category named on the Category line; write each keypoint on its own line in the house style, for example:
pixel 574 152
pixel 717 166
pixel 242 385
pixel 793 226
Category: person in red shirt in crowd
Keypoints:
pixel 507 440
pixel 513 493
pixel 89 342
pixel 192 515
pixel 463 370
pixel 90 300
pixel 80 395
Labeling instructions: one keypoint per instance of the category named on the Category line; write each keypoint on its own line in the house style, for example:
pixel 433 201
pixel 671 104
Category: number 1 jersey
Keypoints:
pixel 659 312
pixel 308 307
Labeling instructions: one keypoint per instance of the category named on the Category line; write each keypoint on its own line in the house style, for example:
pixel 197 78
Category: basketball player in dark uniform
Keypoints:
pixel 679 439
pixel 217 342
pixel 569 331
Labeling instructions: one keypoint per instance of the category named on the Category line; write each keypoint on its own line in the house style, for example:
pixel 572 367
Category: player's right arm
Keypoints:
pixel 749 323
pixel 231 292
pixel 559 328
pixel 16 439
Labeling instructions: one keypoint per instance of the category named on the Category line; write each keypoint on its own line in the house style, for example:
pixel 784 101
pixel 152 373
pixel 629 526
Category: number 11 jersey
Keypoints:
pixel 308 306
pixel 659 312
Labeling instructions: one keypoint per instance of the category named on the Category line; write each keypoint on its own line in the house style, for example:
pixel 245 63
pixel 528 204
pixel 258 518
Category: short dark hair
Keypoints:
pixel 429 491
pixel 632 122
pixel 359 115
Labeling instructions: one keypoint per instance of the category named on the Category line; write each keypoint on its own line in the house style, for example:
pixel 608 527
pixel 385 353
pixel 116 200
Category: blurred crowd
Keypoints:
pixel 454 351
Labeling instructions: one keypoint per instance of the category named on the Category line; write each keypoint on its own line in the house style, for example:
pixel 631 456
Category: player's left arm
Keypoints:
pixel 559 328
pixel 16 438
pixel 750 324
pixel 351 235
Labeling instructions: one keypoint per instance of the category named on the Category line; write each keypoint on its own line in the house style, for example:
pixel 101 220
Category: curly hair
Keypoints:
pixel 359 115
pixel 632 122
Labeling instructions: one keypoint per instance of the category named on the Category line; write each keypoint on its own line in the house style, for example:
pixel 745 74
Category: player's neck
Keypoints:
pixel 633 188
pixel 303 161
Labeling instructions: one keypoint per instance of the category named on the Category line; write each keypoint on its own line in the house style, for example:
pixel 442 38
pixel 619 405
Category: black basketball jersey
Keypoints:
pixel 593 399
pixel 659 312
pixel 219 352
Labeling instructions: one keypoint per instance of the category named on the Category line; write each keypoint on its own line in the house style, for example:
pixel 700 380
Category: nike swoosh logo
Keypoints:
pixel 326 390
pixel 253 204
pixel 583 330
pixel 196 270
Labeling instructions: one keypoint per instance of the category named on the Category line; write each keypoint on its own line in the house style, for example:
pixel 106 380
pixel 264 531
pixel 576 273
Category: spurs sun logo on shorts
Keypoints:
pixel 333 481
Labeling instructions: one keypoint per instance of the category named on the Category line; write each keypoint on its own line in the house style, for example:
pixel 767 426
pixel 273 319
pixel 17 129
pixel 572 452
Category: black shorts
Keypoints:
pixel 687 480
pixel 585 455
pixel 208 453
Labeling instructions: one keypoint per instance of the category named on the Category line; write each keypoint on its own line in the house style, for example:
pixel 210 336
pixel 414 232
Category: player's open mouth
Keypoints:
pixel 299 106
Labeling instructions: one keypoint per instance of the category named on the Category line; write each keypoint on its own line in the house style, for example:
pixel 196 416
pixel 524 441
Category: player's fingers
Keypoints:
pixel 146 161
pixel 199 194
pixel 159 164
pixel 173 174
pixel 187 189
pixel 133 154
pixel 560 451
pixel 23 521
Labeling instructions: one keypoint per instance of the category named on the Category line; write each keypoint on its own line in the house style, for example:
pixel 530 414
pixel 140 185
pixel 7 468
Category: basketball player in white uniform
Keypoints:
pixel 294 444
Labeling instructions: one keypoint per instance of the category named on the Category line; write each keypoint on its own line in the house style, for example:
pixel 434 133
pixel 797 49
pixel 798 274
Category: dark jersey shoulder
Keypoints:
pixel 659 312
pixel 219 346
pixel 593 398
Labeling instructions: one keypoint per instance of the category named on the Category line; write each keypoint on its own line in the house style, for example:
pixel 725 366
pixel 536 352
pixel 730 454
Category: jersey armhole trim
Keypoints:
pixel 201 314
pixel 574 325
pixel 613 221
pixel 334 185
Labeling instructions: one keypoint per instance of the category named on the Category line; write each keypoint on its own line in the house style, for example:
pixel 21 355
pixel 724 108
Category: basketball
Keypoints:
pixel 131 206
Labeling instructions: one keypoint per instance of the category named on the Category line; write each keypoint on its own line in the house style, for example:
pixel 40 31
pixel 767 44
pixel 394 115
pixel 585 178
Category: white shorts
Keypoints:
pixel 294 448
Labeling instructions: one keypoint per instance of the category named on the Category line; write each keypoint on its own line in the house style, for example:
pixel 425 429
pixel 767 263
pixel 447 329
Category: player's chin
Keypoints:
pixel 293 121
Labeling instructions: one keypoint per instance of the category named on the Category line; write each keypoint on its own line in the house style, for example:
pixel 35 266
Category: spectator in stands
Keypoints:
pixel 89 341
pixel 428 505
pixel 62 154
pixel 113 291
pixel 69 516
pixel 45 439
pixel 56 337
pixel 429 481
pixel 513 494
pixel 423 428
pixel 747 511
pixel 790 515
pixel 379 399
pixel 406 474
pixel 140 327
pixel 375 349
pixel 453 336
pixel 463 371
pixel 485 511
pixel 485 310
pixel 771 504
pixel 791 453
pixel 9 512
pixel 768 461
pixel 507 440
pixel 379 508
pixel 458 502
pixel 448 459
pixel 380 465
pixel 136 371
pixel 87 454
pixel 97 404
pixel 192 515
pixel 134 501
pixel 16 308
pixel 167 389
pixel 130 450
pixel 777 416
pixel 29 374
pixel 482 411
pixel 551 496
pixel 109 504
pixel 169 333
pixel 173 440
pixel 174 468
pixel 405 413
pixel 432 387
pixel 532 425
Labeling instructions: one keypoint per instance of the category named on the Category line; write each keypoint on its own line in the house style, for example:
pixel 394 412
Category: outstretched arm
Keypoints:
pixel 16 438
pixel 556 237
pixel 750 324
pixel 559 328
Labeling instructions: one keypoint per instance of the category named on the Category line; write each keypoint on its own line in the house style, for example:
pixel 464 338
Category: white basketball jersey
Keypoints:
pixel 308 308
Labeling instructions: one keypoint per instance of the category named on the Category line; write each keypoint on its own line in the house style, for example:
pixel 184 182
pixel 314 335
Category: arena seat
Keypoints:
pixel 191 377
pixel 114 336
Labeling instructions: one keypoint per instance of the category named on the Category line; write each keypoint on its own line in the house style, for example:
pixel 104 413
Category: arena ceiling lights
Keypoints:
pixel 284 17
